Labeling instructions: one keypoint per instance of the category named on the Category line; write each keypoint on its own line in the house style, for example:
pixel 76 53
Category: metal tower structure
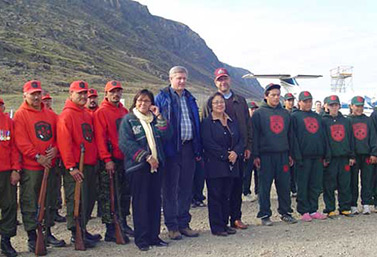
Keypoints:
pixel 341 79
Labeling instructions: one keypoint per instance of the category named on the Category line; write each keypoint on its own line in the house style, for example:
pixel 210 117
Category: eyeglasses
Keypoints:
pixel 218 103
pixel 143 101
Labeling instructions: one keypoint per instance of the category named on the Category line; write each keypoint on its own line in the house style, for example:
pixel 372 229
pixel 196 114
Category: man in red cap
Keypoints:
pixel 75 127
pixel 107 120
pixel 236 108
pixel 9 176
pixel 35 137
pixel 92 102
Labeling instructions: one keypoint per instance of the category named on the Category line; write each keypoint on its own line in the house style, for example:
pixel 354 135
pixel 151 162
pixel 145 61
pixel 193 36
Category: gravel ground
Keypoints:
pixel 341 236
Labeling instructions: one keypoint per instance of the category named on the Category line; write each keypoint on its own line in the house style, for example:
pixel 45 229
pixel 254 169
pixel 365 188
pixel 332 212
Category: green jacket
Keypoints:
pixel 364 134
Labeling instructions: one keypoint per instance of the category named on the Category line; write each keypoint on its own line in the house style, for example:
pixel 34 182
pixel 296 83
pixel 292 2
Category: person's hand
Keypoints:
pixel 291 161
pixel 14 178
pixel 44 161
pixel 373 159
pixel 153 162
pixel 110 167
pixel 77 175
pixel 247 154
pixel 352 162
pixel 232 157
pixel 51 152
pixel 257 162
pixel 154 109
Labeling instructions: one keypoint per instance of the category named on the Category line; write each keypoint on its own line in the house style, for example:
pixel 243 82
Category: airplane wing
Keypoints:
pixel 300 76
pixel 266 76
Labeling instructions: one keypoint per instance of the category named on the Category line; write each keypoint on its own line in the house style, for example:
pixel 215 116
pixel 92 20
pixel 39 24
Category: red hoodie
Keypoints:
pixel 75 126
pixel 107 121
pixel 9 157
pixel 35 132
pixel 91 111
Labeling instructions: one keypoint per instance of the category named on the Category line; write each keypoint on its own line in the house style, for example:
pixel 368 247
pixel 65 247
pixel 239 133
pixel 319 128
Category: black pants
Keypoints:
pixel 219 190
pixel 247 175
pixel 146 205
pixel 236 197
pixel 198 186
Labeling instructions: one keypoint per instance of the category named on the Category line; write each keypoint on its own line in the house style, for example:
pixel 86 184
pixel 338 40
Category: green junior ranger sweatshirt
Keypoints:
pixel 271 130
pixel 309 136
pixel 339 134
pixel 364 134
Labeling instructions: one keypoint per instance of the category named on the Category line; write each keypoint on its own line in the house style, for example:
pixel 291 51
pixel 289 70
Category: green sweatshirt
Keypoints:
pixel 339 134
pixel 309 136
pixel 364 134
pixel 271 130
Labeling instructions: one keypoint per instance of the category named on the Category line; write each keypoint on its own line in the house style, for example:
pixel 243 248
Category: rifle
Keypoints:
pixel 79 242
pixel 40 247
pixel 118 231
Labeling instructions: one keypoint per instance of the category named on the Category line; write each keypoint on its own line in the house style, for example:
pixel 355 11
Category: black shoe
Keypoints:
pixel 128 230
pixel 143 247
pixel 160 243
pixel 110 233
pixel 7 248
pixel 51 240
pixel 222 233
pixel 288 219
pixel 31 242
pixel 58 218
pixel 230 231
pixel 87 243
pixel 94 237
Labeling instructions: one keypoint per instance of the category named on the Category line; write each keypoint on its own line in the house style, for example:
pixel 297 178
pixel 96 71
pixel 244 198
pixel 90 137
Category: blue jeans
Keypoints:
pixel 177 188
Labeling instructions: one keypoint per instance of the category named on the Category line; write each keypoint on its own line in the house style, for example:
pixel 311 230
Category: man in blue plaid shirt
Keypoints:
pixel 179 107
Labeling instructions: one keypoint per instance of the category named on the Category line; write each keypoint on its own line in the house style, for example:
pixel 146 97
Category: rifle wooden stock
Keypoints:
pixel 40 247
pixel 118 231
pixel 79 241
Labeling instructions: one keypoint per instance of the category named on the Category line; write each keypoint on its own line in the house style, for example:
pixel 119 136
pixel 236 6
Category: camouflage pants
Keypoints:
pixel 121 190
pixel 31 181
pixel 8 205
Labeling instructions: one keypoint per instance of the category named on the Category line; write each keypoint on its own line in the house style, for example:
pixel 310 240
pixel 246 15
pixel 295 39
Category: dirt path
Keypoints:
pixel 341 236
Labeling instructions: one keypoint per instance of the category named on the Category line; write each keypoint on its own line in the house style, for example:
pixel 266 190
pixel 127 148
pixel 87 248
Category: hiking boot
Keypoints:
pixel 318 216
pixel 306 217
pixel 366 210
pixel 189 232
pixel 354 210
pixel 266 222
pixel 51 239
pixel 175 235
pixel 7 248
pixel 288 219
pixel 31 241
pixel 88 243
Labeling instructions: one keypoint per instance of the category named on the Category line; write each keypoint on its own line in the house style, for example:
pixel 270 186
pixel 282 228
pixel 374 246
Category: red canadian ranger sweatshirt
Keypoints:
pixel 107 120
pixel 75 126
pixel 35 132
pixel 9 157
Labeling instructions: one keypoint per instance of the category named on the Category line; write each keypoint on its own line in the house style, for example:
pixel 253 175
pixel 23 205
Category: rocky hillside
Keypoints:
pixel 58 41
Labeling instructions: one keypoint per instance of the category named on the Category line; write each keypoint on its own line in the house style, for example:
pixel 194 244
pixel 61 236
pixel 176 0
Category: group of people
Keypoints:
pixel 150 153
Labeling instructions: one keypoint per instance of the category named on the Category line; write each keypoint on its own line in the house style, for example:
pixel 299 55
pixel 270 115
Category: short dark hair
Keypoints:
pixel 210 99
pixel 143 92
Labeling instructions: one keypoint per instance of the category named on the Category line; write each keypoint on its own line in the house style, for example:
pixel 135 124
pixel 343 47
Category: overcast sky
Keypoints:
pixel 265 36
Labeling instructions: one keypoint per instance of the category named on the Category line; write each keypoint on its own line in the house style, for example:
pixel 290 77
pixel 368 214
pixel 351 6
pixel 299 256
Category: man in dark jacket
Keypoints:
pixel 271 152
pixel 178 106
pixel 236 108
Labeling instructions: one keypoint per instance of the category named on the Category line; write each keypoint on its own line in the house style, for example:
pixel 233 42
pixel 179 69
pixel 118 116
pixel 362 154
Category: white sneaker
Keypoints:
pixel 366 210
pixel 354 210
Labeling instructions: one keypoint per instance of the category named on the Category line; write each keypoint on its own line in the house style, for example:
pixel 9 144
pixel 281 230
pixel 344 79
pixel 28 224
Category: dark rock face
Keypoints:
pixel 62 40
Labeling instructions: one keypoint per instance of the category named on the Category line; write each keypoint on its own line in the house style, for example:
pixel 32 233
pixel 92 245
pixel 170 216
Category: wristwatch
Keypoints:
pixel 37 156
pixel 72 169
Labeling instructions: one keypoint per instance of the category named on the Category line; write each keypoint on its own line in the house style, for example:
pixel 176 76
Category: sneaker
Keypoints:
pixel 288 218
pixel 318 216
pixel 331 214
pixel 354 210
pixel 346 213
pixel 266 221
pixel 366 210
pixel 306 217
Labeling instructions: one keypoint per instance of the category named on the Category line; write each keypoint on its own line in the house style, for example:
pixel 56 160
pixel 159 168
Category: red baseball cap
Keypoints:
pixel 1 101
pixel 221 72
pixel 32 86
pixel 92 92
pixel 112 85
pixel 46 96
pixel 79 86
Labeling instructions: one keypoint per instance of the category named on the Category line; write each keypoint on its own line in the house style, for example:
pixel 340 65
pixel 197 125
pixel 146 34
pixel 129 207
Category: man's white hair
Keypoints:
pixel 177 69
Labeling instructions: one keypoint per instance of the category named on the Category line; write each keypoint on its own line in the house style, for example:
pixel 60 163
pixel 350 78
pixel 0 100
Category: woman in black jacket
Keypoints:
pixel 140 139
pixel 223 147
